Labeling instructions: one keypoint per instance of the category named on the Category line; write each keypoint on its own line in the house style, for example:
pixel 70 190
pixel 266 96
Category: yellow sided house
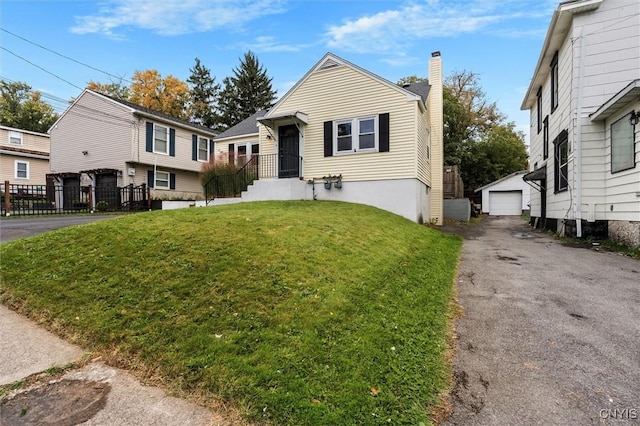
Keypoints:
pixel 24 156
pixel 343 133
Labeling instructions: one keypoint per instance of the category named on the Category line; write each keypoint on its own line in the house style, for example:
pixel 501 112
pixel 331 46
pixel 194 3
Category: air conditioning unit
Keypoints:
pixel 131 172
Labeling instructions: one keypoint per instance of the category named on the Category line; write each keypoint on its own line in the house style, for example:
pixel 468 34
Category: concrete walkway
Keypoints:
pixel 550 334
pixel 93 395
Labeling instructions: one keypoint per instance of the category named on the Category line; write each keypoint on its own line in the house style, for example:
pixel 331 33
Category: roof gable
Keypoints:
pixel 502 179
pixel 330 61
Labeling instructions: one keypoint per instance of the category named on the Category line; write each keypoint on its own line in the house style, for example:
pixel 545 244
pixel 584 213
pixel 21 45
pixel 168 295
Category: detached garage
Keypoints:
pixel 508 196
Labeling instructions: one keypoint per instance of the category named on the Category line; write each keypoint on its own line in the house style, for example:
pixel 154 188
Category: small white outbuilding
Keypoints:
pixel 506 196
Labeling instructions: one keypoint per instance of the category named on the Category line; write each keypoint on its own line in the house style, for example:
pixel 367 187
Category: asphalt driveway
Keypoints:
pixel 13 228
pixel 550 334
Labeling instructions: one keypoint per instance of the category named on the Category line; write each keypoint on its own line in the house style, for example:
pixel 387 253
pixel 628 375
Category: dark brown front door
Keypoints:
pixel 289 152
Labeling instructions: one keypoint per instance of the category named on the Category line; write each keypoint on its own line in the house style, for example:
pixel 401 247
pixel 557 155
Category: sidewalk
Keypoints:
pixel 95 394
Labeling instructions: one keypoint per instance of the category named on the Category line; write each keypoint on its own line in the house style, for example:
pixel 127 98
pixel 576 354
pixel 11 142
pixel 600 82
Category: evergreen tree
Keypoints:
pixel 203 96
pixel 22 108
pixel 246 92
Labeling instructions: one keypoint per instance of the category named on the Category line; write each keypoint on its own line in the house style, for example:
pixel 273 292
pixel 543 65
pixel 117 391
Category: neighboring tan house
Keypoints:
pixel 507 196
pixel 241 142
pixel 108 143
pixel 24 156
pixel 584 100
pixel 344 133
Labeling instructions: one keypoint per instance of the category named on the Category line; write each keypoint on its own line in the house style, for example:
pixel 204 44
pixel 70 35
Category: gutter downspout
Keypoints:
pixel 578 156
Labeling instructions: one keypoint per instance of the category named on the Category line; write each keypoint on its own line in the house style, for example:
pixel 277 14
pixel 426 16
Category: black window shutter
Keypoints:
pixel 328 138
pixel 149 137
pixel 172 180
pixel 150 180
pixel 172 142
pixel 383 125
pixel 211 146
pixel 194 147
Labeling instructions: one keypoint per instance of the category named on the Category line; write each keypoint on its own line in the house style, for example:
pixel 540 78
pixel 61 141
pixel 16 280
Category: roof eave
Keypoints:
pixel 558 29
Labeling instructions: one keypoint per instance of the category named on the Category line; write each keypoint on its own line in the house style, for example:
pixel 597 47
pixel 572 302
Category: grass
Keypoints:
pixel 293 312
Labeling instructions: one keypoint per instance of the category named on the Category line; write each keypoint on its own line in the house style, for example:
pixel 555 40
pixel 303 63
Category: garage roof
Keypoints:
pixel 495 182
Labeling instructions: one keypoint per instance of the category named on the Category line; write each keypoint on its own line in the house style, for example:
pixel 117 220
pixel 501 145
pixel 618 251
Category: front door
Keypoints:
pixel 289 151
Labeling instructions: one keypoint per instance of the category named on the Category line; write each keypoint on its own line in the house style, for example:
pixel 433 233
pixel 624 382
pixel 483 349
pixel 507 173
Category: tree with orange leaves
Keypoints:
pixel 168 95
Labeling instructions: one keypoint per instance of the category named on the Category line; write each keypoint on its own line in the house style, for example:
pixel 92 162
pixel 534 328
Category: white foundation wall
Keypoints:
pixel 408 198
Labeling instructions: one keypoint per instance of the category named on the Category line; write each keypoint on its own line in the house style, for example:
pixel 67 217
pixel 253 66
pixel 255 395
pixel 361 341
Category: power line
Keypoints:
pixel 39 67
pixel 66 57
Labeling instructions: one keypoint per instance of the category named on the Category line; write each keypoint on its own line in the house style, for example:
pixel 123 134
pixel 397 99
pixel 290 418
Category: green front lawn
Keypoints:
pixel 293 312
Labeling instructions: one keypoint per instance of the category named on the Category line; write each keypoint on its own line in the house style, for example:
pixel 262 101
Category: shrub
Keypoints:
pixel 221 178
pixel 102 206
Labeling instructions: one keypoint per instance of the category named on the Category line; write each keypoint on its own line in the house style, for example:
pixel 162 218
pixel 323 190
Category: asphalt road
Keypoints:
pixel 13 228
pixel 550 334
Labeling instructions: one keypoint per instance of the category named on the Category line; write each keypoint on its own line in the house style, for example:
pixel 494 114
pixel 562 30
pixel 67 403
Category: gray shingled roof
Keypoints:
pixel 420 88
pixel 247 126
pixel 158 114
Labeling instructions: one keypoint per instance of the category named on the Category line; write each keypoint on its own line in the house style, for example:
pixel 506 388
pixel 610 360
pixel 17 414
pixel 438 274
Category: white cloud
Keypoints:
pixel 270 44
pixel 173 17
pixel 390 30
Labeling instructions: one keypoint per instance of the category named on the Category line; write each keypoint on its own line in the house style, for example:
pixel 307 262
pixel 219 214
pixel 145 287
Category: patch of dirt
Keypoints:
pixel 60 403
pixel 467 230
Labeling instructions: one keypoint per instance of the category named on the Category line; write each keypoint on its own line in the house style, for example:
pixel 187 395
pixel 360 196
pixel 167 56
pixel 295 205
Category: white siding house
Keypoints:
pixel 343 133
pixel 105 142
pixel 583 98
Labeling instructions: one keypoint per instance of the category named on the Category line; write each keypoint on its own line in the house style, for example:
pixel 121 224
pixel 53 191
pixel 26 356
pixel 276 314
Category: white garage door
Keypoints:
pixel 505 203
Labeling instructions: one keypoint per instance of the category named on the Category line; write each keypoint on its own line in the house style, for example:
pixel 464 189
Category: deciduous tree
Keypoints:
pixel 116 90
pixel 477 137
pixel 168 95
pixel 23 108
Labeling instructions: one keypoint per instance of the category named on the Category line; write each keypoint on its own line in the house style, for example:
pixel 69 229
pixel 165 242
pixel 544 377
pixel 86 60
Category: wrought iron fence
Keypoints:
pixel 258 167
pixel 65 199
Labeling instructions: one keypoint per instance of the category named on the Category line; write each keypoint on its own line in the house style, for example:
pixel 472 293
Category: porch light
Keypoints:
pixel 634 118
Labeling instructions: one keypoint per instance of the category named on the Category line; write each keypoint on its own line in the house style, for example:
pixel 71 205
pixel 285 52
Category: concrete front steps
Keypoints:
pixel 271 189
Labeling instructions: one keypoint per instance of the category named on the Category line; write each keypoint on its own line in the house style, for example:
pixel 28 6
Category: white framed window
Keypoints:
pixel 355 135
pixel 162 180
pixel 203 149
pixel 22 169
pixel 160 139
pixel 622 145
pixel 15 138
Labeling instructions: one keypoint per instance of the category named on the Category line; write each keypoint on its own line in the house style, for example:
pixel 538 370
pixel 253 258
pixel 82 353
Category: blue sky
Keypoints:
pixel 498 40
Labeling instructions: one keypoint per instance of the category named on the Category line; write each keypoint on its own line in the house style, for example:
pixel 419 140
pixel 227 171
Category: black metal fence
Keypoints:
pixel 258 167
pixel 65 199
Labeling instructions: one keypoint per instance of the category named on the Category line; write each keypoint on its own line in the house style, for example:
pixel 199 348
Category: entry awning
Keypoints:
pixel 270 120
pixel 537 174
pixel 620 100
